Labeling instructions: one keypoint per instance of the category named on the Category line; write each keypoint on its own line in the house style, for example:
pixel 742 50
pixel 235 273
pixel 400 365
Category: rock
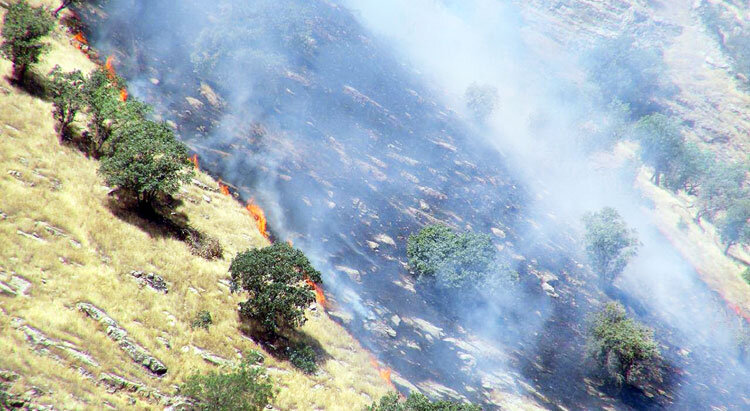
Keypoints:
pixel 20 284
pixel 498 232
pixel 385 239
pixel 352 273
pixel 7 290
pixel 424 206
pixel 152 280
pixel 194 103
pixel 31 236
pixel 44 343
pixel 373 245
pixel 118 334
pixel 206 198
pixel 211 357
pixel 428 328
pixel 8 376
pixel 396 320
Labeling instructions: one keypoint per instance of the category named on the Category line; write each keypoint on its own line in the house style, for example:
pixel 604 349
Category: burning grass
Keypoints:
pixel 59 186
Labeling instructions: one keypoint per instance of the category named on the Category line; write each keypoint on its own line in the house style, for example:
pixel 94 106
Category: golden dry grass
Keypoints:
pixel 60 187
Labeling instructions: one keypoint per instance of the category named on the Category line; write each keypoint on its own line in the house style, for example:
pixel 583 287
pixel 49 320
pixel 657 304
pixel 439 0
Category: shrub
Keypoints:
pixel 101 97
pixel 418 402
pixel 245 388
pixel 746 275
pixel 67 97
pixel 626 71
pixel 481 100
pixel 450 259
pixel 734 228
pixel 23 28
pixel 302 356
pixel 147 161
pixel 202 245
pixel 609 242
pixel 275 279
pixel 202 320
pixel 623 348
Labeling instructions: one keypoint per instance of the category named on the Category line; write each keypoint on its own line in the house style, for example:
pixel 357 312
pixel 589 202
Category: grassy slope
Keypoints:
pixel 60 187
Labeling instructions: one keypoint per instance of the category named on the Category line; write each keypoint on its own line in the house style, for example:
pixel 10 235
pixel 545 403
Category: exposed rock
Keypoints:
pixel 7 290
pixel 31 236
pixel 194 103
pixel 396 320
pixel 118 334
pixel 385 239
pixel 431 331
pixel 116 383
pixel 20 285
pixel 211 357
pixel 152 280
pixel 352 273
pixel 44 344
pixel 8 376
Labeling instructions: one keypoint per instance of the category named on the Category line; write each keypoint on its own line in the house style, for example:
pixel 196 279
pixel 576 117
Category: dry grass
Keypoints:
pixel 60 187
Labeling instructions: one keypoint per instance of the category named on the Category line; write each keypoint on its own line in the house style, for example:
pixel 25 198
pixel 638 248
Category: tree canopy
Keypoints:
pixel 418 402
pixel 609 242
pixel 67 90
pixel 23 28
pixel 276 279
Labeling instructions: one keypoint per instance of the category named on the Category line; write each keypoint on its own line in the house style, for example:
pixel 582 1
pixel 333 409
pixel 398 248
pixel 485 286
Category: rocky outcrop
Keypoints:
pixel 119 335
pixel 152 280
pixel 44 344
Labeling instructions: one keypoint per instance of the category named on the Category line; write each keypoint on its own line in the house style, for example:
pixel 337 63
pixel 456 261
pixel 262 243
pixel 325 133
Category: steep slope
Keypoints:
pixel 66 242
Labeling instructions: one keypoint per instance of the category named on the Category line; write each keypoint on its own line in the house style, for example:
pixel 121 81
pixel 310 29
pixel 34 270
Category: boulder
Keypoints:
pixel 152 280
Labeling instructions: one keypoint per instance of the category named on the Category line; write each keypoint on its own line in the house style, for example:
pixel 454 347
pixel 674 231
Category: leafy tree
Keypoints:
pixel 625 349
pixel 720 187
pixel 481 100
pixel 147 161
pixel 418 402
pixel 245 388
pixel 23 28
pixel 101 96
pixel 628 72
pixel 688 169
pixel 67 92
pixel 302 356
pixel 661 143
pixel 734 228
pixel 609 242
pixel 452 260
pixel 276 279
pixel 746 275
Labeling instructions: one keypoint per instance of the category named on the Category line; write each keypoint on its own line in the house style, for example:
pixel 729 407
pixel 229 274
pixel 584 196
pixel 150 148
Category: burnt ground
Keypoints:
pixel 349 152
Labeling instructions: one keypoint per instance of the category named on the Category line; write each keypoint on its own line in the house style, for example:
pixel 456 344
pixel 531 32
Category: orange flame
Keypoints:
pixel 259 215
pixel 320 298
pixel 123 94
pixel 384 372
pixel 110 68
pixel 81 40
pixel 194 160
pixel 223 188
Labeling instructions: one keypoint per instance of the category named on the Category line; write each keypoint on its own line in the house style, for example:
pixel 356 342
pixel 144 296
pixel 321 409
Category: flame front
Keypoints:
pixel 80 41
pixel 384 372
pixel 223 188
pixel 194 160
pixel 259 215
pixel 320 298
pixel 123 94
pixel 110 68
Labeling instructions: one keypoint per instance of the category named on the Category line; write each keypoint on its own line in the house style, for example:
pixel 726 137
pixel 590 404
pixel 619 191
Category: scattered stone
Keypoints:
pixel 118 334
pixel 396 320
pixel 194 103
pixel 211 357
pixel 202 186
pixel 15 173
pixel 32 236
pixel 7 290
pixel 385 239
pixel 373 245
pixel 206 198
pixel 352 273
pixel 3 216
pixel 8 376
pixel 152 280
pixel 20 284
pixel 431 331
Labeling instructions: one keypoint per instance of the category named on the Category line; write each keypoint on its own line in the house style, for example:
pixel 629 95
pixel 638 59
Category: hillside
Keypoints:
pixel 65 242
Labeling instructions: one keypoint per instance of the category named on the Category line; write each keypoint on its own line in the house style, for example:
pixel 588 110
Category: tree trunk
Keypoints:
pixel 64 5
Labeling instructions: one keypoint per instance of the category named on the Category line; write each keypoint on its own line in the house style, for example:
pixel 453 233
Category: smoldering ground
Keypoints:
pixel 346 123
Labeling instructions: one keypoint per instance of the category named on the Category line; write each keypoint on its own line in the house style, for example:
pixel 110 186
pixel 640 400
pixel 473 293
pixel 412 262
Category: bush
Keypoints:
pixel 275 278
pixel 101 97
pixel 302 356
pixel 481 100
pixel 244 388
pixel 23 28
pixel 452 260
pixel 628 72
pixel 746 275
pixel 734 228
pixel 623 348
pixel 418 402
pixel 609 242
pixel 202 320
pixel 67 97
pixel 147 161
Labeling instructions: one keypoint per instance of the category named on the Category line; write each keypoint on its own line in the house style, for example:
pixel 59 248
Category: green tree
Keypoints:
pixel 418 402
pixel 720 187
pixel 688 169
pixel 481 100
pixel 623 348
pixel 101 96
pixel 245 388
pixel 276 278
pixel 734 228
pixel 661 143
pixel 67 92
pixel 609 242
pixel 23 28
pixel 147 161
pixel 452 260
